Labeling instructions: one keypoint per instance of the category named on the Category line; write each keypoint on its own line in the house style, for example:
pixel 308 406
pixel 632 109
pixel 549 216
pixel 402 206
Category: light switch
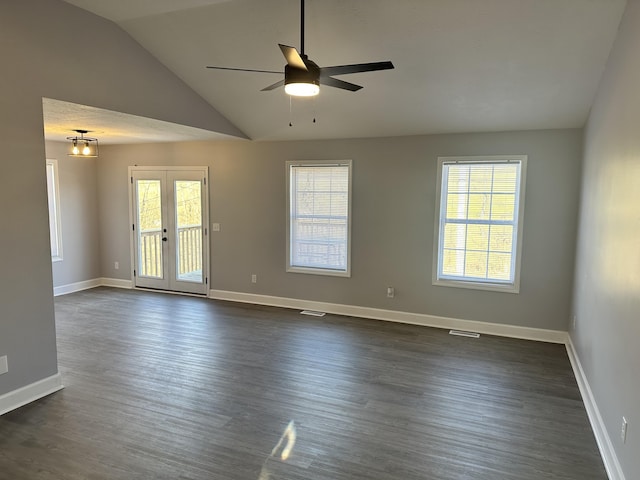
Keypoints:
pixel 215 227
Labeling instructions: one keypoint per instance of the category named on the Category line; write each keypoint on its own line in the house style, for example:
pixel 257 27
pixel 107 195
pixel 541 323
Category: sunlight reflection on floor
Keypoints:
pixel 289 435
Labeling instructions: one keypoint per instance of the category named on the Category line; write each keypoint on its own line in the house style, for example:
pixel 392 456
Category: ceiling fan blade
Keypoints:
pixel 293 57
pixel 334 82
pixel 243 70
pixel 273 86
pixel 357 68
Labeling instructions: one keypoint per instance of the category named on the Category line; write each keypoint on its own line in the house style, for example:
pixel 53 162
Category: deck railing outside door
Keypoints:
pixel 189 251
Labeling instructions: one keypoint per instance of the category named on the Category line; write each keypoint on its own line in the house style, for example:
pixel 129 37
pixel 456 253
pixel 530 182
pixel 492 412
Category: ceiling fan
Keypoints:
pixel 303 77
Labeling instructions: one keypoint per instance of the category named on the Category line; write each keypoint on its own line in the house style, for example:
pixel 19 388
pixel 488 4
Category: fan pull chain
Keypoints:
pixel 290 110
pixel 315 104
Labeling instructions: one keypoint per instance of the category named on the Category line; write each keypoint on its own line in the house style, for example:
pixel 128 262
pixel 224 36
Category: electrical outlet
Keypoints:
pixel 254 278
pixel 215 227
pixel 4 367
pixel 623 430
pixel 574 319
pixel 116 265
pixel 391 292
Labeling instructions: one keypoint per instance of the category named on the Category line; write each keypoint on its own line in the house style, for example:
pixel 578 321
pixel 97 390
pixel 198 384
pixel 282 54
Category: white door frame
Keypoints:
pixel 203 172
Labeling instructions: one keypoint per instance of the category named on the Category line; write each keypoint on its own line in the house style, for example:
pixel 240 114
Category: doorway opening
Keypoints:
pixel 169 234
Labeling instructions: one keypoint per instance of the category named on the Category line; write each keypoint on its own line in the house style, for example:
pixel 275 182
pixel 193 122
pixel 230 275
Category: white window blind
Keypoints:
pixel 479 229
pixel 319 217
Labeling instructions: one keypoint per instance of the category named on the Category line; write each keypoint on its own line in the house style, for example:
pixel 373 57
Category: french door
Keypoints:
pixel 170 241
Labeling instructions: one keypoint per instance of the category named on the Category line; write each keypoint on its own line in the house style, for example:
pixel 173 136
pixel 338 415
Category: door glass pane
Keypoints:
pixel 188 200
pixel 150 228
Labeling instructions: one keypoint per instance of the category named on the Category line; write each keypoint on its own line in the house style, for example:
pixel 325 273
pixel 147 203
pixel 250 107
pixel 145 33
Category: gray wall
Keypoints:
pixel 394 184
pixel 78 187
pixel 40 41
pixel 607 293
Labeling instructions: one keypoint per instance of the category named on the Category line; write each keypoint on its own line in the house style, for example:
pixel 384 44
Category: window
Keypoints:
pixel 479 210
pixel 319 217
pixel 54 210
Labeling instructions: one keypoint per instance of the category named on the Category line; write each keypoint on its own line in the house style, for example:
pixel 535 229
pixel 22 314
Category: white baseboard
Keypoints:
pixel 115 282
pixel 29 393
pixel 608 454
pixel 76 287
pixel 513 331
pixel 538 334
pixel 93 283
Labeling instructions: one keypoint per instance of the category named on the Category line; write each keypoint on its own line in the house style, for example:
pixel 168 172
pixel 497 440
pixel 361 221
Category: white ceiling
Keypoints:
pixel 62 118
pixel 461 65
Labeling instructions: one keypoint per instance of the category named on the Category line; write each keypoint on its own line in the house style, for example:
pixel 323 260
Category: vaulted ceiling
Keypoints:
pixel 460 65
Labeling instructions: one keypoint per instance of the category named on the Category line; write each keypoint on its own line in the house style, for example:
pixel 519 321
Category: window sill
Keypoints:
pixel 471 285
pixel 319 271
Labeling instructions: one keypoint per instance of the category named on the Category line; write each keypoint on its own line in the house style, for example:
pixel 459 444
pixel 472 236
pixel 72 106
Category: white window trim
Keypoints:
pixel 470 284
pixel 310 270
pixel 55 196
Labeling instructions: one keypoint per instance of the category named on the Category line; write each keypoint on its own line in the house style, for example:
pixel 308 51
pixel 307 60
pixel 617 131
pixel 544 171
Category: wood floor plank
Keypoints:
pixel 163 386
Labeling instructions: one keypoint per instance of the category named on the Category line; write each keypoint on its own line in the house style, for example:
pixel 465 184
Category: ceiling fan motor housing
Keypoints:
pixel 297 75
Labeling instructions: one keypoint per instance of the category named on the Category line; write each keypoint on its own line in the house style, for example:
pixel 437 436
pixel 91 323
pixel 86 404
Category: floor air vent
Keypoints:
pixel 313 313
pixel 462 333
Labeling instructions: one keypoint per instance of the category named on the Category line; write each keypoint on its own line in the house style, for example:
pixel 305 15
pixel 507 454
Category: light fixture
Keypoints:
pixel 302 83
pixel 82 146
pixel 302 89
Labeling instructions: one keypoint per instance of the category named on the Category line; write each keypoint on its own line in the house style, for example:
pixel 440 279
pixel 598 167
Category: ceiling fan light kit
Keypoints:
pixel 302 89
pixel 302 83
pixel 303 77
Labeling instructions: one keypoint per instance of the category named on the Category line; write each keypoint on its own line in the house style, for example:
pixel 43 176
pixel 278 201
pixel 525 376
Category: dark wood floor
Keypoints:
pixel 172 387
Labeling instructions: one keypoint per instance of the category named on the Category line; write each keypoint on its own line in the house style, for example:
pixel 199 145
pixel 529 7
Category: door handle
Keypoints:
pixel 164 239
